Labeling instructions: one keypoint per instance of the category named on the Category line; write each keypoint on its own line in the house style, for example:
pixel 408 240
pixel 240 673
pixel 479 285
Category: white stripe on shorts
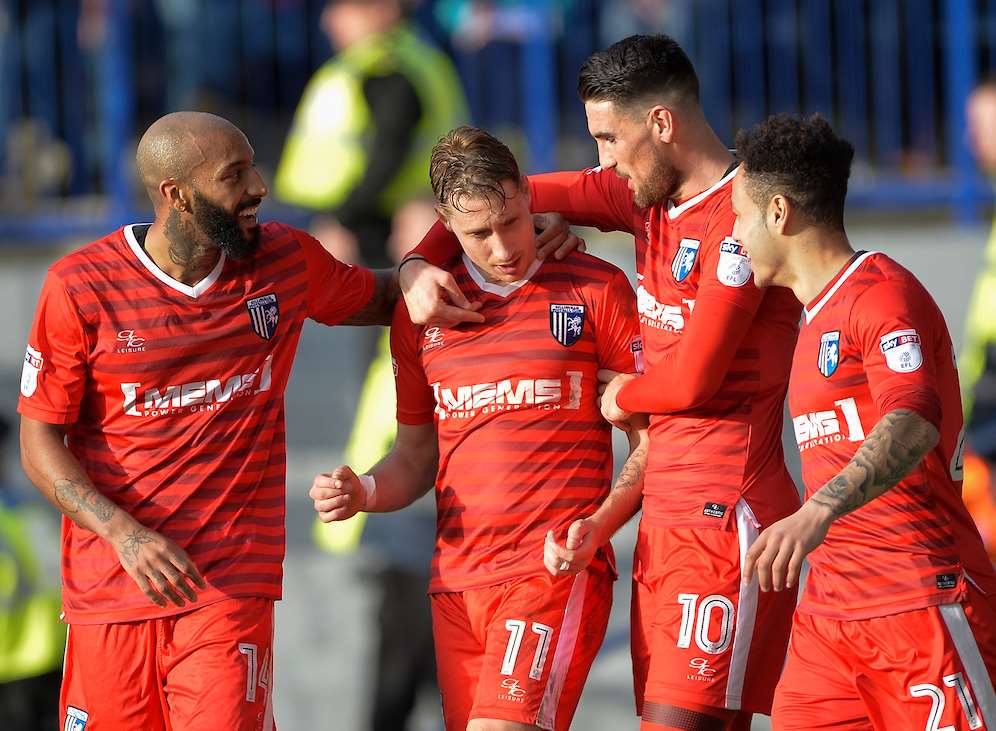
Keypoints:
pixel 968 651
pixel 564 653
pixel 747 533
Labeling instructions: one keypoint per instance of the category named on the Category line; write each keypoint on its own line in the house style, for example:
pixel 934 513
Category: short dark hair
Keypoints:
pixel 636 68
pixel 471 163
pixel 802 159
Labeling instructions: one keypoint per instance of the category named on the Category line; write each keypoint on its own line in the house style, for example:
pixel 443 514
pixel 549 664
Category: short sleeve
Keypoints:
pixel 893 327
pixel 725 267
pixel 335 290
pixel 54 374
pixel 592 197
pixel 416 404
pixel 617 330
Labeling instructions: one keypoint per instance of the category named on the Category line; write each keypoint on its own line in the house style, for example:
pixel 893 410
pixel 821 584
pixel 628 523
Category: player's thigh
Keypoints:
pixel 218 663
pixel 111 679
pixel 816 690
pixel 459 656
pixel 542 637
pixel 706 637
pixel 928 669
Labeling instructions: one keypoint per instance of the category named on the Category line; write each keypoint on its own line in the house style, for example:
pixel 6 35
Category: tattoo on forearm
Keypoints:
pixel 132 543
pixel 895 446
pixel 633 470
pixel 380 309
pixel 75 495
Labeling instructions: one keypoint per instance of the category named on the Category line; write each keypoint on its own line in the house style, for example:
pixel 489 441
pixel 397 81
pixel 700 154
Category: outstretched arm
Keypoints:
pixel 380 307
pixel 898 443
pixel 586 535
pixel 406 473
pixel 158 565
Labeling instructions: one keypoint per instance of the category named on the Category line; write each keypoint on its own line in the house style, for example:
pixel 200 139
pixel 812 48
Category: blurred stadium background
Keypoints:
pixel 81 79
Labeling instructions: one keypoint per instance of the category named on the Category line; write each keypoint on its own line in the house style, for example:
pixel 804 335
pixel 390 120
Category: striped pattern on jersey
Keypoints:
pixel 728 448
pixel 173 396
pixel 705 459
pixel 523 447
pixel 912 546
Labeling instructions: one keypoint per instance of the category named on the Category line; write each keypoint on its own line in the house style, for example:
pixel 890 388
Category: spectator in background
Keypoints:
pixel 977 361
pixel 32 637
pixel 359 147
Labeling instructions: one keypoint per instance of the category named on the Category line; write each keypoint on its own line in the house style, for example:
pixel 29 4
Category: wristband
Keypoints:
pixel 369 486
pixel 412 257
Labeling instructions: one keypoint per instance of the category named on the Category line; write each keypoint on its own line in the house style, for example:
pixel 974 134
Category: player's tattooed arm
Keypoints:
pixel 380 308
pixel 895 446
pixel 76 494
pixel 898 443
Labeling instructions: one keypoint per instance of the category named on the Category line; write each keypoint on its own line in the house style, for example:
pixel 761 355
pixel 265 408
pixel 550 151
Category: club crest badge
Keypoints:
pixel 566 323
pixel 684 259
pixel 901 349
pixel 733 268
pixel 263 315
pixel 829 353
pixel 29 372
pixel 76 719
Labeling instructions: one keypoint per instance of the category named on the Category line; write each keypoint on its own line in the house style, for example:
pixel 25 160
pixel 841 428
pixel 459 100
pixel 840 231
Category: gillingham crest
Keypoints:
pixel 829 353
pixel 684 259
pixel 263 315
pixel 566 323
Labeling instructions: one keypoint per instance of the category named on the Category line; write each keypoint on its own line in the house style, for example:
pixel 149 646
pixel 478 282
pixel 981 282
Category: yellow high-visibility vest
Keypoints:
pixel 324 157
pixel 980 326
pixel 32 636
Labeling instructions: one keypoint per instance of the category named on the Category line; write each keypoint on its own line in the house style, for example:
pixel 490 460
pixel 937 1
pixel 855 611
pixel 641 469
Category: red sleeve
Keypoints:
pixel 335 290
pixel 438 246
pixel 54 374
pixel 591 197
pixel 725 306
pixel 416 404
pixel 893 327
pixel 617 331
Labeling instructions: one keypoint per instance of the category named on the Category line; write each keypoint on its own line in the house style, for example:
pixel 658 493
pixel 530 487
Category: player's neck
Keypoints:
pixel 704 161
pixel 189 267
pixel 816 261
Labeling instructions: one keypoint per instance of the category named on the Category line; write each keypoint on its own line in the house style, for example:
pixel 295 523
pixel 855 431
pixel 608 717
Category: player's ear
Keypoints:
pixel 779 208
pixel 661 123
pixel 169 190
pixel 441 214
pixel 524 188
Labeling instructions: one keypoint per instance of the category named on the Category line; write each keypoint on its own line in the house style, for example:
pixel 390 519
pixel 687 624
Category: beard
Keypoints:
pixel 663 181
pixel 223 228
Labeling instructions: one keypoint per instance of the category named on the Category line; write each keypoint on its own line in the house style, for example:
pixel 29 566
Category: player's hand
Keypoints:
pixel 162 570
pixel 777 555
pixel 433 297
pixel 575 553
pixel 609 383
pixel 555 236
pixel 338 495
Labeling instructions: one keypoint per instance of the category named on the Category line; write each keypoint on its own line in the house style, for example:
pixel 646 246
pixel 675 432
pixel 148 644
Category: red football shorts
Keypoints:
pixel 699 635
pixel 519 651
pixel 205 670
pixel 927 669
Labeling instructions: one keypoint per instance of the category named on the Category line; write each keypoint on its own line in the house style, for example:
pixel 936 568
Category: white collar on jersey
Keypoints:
pixel 193 292
pixel 674 211
pixel 810 314
pixel 502 290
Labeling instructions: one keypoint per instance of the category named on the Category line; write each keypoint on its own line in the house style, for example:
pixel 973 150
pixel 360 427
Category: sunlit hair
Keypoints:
pixel 801 159
pixel 471 164
pixel 639 69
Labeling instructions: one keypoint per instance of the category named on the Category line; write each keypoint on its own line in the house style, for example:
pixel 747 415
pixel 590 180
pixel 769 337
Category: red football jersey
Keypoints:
pixel 875 329
pixel 173 398
pixel 702 459
pixel 522 445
